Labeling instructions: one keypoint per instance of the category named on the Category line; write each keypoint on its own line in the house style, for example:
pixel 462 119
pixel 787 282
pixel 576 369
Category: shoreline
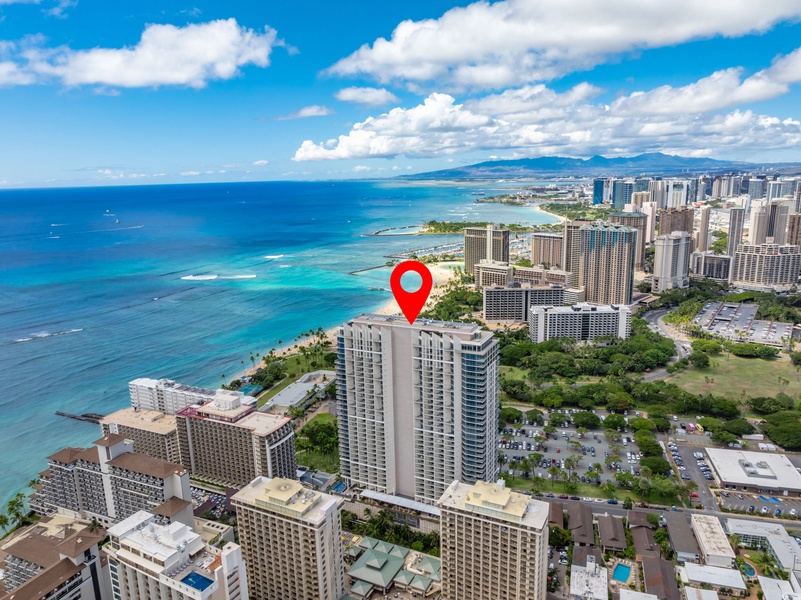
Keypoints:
pixel 560 218
pixel 440 274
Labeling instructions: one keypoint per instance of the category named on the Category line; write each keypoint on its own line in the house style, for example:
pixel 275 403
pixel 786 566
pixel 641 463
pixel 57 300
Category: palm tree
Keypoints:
pixel 734 540
pixel 94 526
pixel 765 562
pixel 537 482
pixel 554 472
pixel 4 522
pixel 16 508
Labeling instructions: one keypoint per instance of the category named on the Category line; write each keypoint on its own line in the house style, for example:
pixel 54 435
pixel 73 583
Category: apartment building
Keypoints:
pixel 417 405
pixel 581 322
pixel 571 245
pixel 151 560
pixel 494 543
pixel 735 233
pixel 510 304
pixel 712 540
pixel 291 539
pixel 231 443
pixel 767 267
pixel 675 219
pixel 109 482
pixel 489 272
pixel 485 243
pixel 606 270
pixel 672 261
pixel 57 558
pixel 153 433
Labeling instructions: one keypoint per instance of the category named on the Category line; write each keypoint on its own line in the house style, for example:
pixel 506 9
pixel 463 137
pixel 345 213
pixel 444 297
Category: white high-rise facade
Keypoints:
pixel 170 397
pixel 149 560
pixel 417 405
pixel 703 229
pixel 672 261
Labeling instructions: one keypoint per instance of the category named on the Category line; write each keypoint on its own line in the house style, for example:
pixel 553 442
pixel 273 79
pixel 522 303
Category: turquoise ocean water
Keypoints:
pixel 99 286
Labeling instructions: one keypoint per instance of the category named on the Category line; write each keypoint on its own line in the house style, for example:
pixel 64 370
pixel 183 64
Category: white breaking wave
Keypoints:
pixel 199 277
pixel 284 266
pixel 274 256
pixel 46 334
pixel 239 277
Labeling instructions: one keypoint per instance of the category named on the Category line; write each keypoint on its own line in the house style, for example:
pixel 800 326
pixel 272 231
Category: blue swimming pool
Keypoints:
pixel 339 487
pixel 197 581
pixel 748 570
pixel 621 573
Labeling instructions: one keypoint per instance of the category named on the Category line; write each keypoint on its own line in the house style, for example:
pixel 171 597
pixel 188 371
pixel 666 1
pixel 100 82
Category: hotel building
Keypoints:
pixel 510 304
pixel 767 267
pixel 546 248
pixel 485 243
pixel 153 433
pixel 291 538
pixel 581 322
pixel 494 543
pixel 109 483
pixel 150 560
pixel 671 261
pixel 676 219
pixel 231 443
pixel 639 221
pixel 417 405
pixel 607 263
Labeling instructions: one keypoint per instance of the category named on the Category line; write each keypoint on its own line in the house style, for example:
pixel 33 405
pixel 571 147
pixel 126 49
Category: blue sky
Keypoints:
pixel 95 93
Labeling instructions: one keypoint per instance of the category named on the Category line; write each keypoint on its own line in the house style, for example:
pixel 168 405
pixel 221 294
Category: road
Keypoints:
pixel 655 322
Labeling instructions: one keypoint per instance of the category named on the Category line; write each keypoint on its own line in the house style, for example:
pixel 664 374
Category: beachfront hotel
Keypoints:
pixel 229 442
pixel 109 482
pixel 485 243
pixel 494 543
pixel 417 405
pixel 153 433
pixel 150 560
pixel 170 397
pixel 291 539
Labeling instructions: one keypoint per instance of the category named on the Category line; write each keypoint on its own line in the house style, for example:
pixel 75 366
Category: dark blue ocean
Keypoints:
pixel 103 285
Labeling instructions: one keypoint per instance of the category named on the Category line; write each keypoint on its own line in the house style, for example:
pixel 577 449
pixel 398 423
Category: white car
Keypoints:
pixel 599 500
pixel 682 468
pixel 587 499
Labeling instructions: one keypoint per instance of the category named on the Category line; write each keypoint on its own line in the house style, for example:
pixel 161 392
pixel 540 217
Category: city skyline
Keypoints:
pixel 93 98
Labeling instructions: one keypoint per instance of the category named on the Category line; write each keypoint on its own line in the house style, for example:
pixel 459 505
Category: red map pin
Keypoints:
pixel 411 303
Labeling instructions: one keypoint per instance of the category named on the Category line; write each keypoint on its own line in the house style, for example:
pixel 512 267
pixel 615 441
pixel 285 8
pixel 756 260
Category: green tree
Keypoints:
pixel 723 437
pixel 559 538
pixel 699 360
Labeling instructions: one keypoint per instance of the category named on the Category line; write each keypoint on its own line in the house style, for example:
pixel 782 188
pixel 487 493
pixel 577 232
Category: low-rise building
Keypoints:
pixel 626 594
pixel 660 578
pixel 725 581
pixel 612 533
pixel 580 524
pixel 150 560
pixel 770 537
pixel 588 582
pixel 712 540
pixel 760 472
pixel 681 537
pixel 778 589
pixel 692 593
pixel 581 322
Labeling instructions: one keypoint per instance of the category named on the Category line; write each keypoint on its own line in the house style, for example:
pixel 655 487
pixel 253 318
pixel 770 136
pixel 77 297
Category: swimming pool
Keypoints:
pixel 748 570
pixel 197 581
pixel 621 573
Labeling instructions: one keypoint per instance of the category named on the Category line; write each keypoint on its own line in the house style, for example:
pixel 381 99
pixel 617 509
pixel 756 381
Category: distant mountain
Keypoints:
pixel 549 166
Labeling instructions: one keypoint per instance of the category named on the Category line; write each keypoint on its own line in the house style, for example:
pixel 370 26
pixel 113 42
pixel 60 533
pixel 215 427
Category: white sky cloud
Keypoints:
pixel 535 120
pixel 366 96
pixel 314 110
pixel 514 42
pixel 165 55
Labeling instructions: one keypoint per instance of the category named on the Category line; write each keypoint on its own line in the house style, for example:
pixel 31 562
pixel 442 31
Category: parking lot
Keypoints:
pixel 733 321
pixel 558 447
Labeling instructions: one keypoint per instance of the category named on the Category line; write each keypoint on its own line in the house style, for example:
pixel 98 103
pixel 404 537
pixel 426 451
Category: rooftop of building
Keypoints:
pixel 147 465
pixel 65 455
pixel 775 589
pixel 784 547
pixel 626 594
pixel 710 535
pixel 497 501
pixel 681 536
pixel 581 307
pixel 760 469
pixel 107 441
pixel 465 329
pixel 45 582
pixel 155 542
pixel 660 578
pixel 590 581
pixel 286 497
pixel 692 593
pixel 714 576
pixel 44 546
pixel 148 420
pixel 612 532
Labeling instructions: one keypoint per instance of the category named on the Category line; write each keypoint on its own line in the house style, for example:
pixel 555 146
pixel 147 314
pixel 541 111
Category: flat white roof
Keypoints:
pixel 626 594
pixel 774 589
pixel 787 551
pixel 759 469
pixel 589 582
pixel 711 537
pixel 692 593
pixel 714 576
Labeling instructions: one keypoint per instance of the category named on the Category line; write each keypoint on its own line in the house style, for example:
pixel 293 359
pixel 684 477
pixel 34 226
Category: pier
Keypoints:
pixel 88 417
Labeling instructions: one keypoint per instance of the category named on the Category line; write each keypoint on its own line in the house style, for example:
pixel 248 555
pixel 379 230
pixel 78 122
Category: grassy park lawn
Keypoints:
pixel 314 459
pixel 756 376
